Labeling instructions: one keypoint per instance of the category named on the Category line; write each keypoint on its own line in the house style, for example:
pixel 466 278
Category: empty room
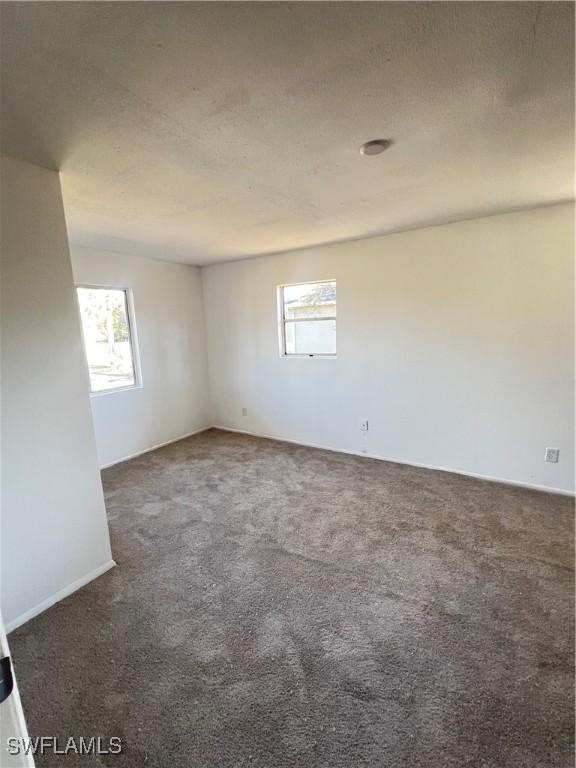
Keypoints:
pixel 287 384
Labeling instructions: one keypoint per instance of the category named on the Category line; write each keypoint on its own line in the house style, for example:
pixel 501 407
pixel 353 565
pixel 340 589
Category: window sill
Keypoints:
pixel 113 390
pixel 308 357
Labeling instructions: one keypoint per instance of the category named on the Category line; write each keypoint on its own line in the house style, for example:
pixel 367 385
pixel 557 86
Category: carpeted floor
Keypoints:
pixel 276 606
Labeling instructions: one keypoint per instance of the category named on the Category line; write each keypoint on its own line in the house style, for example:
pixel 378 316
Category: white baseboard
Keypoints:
pixel 478 476
pixel 87 578
pixel 488 478
pixel 154 447
pixel 60 595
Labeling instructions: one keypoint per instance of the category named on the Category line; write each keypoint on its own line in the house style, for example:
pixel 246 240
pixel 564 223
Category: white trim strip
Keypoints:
pixel 30 614
pixel 81 582
pixel 53 599
pixel 12 715
pixel 488 478
pixel 154 447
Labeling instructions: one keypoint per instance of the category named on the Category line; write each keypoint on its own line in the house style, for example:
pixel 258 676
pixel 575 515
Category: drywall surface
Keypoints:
pixel 455 342
pixel 168 313
pixel 54 528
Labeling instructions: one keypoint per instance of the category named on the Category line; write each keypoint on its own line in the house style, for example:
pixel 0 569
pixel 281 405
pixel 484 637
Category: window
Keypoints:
pixel 308 319
pixel 107 337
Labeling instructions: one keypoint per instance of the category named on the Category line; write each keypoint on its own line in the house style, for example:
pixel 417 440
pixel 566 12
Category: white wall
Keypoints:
pixel 455 342
pixel 54 528
pixel 168 308
pixel 12 720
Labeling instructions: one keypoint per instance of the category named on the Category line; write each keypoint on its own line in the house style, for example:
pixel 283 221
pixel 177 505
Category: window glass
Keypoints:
pixel 308 316
pixel 311 338
pixel 107 337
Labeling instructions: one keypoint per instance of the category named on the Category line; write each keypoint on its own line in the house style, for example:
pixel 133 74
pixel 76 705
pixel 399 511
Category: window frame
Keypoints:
pixel 132 336
pixel 282 320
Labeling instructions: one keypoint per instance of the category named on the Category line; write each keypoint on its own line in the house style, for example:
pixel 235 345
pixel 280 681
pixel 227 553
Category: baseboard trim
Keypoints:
pixel 154 447
pixel 87 578
pixel 477 476
pixel 60 595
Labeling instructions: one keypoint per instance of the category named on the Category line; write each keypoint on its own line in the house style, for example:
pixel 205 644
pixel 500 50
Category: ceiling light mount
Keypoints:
pixel 375 146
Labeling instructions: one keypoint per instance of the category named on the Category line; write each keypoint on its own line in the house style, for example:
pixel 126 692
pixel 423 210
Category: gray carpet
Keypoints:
pixel 276 606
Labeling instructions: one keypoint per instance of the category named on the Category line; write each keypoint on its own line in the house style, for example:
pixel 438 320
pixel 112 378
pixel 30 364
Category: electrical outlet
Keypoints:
pixel 364 426
pixel 552 455
pixel 244 411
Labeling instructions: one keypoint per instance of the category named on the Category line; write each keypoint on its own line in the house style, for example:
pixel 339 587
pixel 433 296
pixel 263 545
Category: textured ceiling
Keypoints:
pixel 200 132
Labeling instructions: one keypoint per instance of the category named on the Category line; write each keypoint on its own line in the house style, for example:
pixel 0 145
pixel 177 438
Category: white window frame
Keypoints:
pixel 132 335
pixel 283 320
